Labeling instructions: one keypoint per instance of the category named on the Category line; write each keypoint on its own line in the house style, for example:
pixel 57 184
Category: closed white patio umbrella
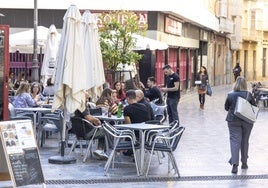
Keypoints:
pixel 50 54
pixel 93 56
pixel 70 77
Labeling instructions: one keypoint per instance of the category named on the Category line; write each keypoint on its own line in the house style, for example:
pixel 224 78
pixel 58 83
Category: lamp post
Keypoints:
pixel 35 67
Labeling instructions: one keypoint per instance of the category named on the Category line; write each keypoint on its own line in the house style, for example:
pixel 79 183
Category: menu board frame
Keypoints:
pixel 21 152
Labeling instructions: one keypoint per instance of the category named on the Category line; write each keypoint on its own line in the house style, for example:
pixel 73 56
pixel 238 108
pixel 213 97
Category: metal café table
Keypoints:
pixel 141 127
pixel 114 118
pixel 36 111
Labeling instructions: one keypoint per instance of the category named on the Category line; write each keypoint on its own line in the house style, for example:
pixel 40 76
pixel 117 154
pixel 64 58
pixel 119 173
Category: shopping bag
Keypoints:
pixel 245 110
pixel 209 90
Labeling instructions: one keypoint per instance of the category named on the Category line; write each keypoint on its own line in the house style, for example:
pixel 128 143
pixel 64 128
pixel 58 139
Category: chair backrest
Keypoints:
pixel 91 105
pixel 176 136
pixel 80 127
pixel 174 124
pixel 55 118
pixel 11 109
pixel 95 111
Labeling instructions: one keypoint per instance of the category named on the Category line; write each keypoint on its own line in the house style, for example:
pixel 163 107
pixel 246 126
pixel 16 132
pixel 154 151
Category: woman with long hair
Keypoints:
pixel 106 101
pixel 23 99
pixel 121 95
pixel 36 92
pixel 202 76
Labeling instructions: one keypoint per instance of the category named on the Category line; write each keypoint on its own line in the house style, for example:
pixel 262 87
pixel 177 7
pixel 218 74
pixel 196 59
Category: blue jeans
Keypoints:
pixel 172 109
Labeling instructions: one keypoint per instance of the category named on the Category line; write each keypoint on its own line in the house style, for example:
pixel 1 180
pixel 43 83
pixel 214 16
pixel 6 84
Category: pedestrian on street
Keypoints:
pixel 202 77
pixel 237 70
pixel 239 129
pixel 173 92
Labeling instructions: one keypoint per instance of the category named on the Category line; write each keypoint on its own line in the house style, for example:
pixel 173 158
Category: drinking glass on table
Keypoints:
pixel 104 111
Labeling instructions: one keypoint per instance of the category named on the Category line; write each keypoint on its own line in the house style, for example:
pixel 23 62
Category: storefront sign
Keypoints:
pixel 141 17
pixel 172 26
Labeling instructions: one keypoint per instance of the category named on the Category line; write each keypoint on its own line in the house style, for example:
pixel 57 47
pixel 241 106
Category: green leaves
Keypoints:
pixel 116 39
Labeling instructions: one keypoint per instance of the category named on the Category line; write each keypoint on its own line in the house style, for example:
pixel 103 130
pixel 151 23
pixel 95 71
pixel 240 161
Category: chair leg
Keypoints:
pixel 81 147
pixel 135 158
pixel 87 151
pixel 147 170
pixel 73 146
pixel 108 163
pixel 174 163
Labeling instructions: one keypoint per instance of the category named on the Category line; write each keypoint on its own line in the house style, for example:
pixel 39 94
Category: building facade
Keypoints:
pixel 213 33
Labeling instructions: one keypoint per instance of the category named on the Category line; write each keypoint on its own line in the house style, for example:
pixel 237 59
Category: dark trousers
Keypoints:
pixel 172 109
pixel 202 98
pixel 239 136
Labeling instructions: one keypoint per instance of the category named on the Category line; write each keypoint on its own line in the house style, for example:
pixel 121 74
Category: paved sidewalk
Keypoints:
pixel 202 155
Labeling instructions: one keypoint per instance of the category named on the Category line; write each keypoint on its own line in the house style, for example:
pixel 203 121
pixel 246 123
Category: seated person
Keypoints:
pixel 135 112
pixel 121 95
pixel 106 100
pixel 140 99
pixel 36 92
pixel 99 153
pixel 49 89
pixel 153 93
pixel 23 98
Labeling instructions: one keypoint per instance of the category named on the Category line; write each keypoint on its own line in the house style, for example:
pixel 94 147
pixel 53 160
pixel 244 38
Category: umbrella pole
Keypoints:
pixel 62 159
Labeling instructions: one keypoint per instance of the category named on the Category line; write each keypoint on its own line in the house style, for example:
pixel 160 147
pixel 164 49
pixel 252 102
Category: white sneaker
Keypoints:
pixel 100 154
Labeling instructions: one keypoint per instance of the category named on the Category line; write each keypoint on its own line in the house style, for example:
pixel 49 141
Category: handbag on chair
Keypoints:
pixel 245 110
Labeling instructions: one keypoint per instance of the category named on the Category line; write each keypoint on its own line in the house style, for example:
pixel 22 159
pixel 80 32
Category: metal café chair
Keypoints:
pixel 15 115
pixel 150 136
pixel 166 142
pixel 120 144
pixel 50 122
pixel 80 127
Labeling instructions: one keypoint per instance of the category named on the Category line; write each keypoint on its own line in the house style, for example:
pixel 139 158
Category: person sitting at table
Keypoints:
pixel 106 101
pixel 134 112
pixel 153 93
pixel 36 92
pixel 141 99
pixel 23 99
pixel 121 95
pixel 49 89
pixel 99 153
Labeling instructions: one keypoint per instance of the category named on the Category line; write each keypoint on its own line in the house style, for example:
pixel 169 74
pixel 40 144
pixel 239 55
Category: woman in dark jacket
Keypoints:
pixel 239 129
pixel 202 87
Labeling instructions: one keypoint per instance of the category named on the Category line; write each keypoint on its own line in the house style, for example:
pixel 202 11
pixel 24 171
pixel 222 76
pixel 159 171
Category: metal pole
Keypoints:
pixel 35 67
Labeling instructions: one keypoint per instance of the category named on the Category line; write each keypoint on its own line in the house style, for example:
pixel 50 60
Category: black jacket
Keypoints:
pixel 231 102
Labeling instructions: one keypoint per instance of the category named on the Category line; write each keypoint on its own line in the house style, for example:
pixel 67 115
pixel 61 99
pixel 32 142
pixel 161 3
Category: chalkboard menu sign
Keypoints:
pixel 21 152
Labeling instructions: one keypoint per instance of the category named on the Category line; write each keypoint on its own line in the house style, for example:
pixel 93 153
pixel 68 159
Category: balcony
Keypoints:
pixel 252 35
pixel 226 25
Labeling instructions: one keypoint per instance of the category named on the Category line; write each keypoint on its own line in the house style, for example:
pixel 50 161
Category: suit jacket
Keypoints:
pixel 231 102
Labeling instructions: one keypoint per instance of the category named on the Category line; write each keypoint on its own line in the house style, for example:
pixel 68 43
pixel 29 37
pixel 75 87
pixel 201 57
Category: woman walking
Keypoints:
pixel 202 77
pixel 239 129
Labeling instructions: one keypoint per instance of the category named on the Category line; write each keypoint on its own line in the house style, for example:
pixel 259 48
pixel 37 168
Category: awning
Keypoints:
pixel 23 41
pixel 144 43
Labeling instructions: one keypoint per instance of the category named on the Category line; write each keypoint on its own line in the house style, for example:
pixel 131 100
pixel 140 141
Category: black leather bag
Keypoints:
pixel 209 90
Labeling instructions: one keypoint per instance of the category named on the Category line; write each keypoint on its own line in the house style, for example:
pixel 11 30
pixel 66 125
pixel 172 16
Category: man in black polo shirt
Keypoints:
pixel 135 112
pixel 173 92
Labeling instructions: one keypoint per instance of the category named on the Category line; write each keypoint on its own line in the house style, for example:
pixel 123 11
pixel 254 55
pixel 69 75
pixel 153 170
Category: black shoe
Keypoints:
pixel 244 166
pixel 234 169
pixel 128 153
